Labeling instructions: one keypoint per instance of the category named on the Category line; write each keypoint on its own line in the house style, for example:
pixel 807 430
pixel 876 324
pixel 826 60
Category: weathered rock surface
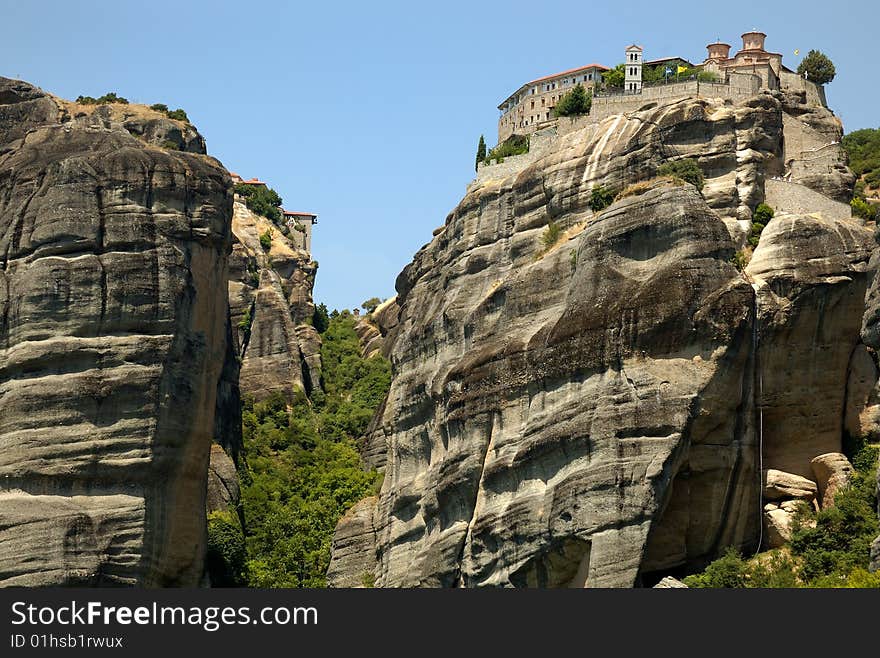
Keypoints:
pixel 377 330
pixel 811 275
pixel 779 485
pixel 670 583
pixel 588 414
pixel 113 322
pixel 270 303
pixel 354 545
pixel 779 522
pixel 223 486
pixel 833 472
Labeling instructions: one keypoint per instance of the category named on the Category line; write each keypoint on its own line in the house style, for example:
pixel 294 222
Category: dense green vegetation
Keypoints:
pixel 863 148
pixel 513 145
pixel 832 553
pixel 262 200
pixel 303 469
pixel 817 67
pixel 614 78
pixel 576 102
pixel 266 239
pixel 687 170
pixel 481 152
pixel 321 318
pixel 226 558
pixel 106 99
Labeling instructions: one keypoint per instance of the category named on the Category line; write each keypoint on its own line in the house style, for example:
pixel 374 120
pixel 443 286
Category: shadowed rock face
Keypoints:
pixel 113 334
pixel 586 415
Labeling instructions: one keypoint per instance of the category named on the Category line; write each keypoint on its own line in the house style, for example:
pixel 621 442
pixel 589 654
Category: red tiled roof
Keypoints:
pixel 556 75
pixel 291 213
pixel 253 181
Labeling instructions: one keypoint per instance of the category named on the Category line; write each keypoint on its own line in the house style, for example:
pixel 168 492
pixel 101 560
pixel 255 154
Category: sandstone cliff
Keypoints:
pixel 113 336
pixel 270 302
pixel 590 414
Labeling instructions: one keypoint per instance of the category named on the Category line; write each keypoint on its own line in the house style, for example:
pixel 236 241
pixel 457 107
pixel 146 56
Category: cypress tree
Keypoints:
pixel 481 152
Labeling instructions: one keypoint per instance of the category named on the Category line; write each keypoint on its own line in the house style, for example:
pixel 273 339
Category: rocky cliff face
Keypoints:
pixel 598 412
pixel 113 336
pixel 270 302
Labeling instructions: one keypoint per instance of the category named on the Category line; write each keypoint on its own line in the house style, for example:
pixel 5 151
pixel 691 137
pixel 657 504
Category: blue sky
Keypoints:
pixel 368 113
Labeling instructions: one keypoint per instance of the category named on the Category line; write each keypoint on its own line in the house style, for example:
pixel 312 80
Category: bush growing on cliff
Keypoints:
pixel 863 209
pixel 303 469
pixel 261 200
pixel 574 103
pixel 600 198
pixel 687 170
pixel 551 234
pixel 763 214
pixel 178 114
pixel 513 145
pixel 266 240
pixel 817 68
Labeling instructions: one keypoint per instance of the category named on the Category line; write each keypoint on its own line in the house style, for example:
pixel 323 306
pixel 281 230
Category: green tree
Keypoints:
pixel 320 318
pixel 817 67
pixel 266 239
pixel 551 234
pixel 481 152
pixel 576 102
pixel 687 170
pixel 262 200
pixel 370 305
pixel 614 78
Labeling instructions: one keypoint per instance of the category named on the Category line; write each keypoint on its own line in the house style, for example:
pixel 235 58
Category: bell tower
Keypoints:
pixel 633 70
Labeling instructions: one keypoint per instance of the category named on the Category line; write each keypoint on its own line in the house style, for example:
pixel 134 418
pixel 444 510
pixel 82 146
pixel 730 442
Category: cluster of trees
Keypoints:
pixel 106 99
pixel 261 200
pixel 303 470
pixel 830 548
pixel 178 114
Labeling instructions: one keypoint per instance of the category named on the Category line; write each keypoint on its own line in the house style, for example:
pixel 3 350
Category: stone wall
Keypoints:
pixel 790 197
pixel 815 94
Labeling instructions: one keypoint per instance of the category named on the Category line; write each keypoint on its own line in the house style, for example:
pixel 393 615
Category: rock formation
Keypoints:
pixel 270 302
pixel 113 337
pixel 590 413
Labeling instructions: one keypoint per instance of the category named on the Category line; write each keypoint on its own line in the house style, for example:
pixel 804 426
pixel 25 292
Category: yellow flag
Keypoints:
pixel 797 52
pixel 682 69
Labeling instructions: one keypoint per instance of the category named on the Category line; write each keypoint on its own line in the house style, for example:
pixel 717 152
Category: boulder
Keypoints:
pixel 779 485
pixel 833 472
pixel 670 583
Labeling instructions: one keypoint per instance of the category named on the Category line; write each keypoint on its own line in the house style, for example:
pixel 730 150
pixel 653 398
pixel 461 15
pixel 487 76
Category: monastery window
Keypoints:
pixel 543 102
pixel 533 105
